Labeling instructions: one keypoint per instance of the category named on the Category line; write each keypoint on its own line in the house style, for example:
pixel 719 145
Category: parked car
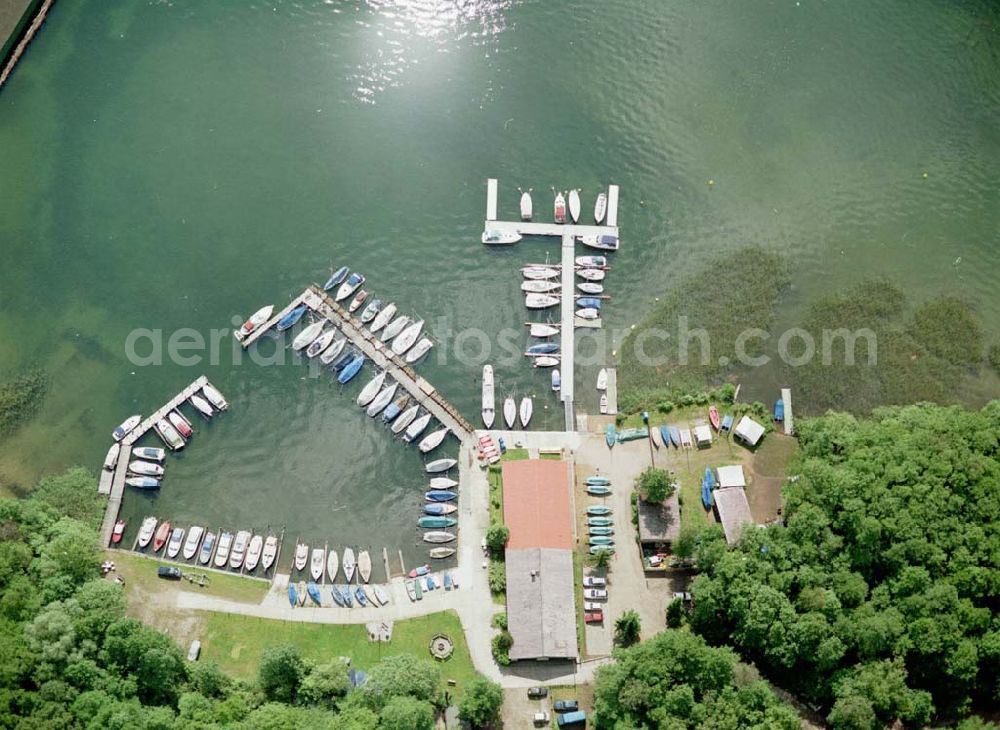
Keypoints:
pixel 595 594
pixel 566 706
pixel 594 617
pixel 594 582
pixel 536 693
pixel 540 718
pixel 591 606
pixel 170 573
pixel 655 561
pixel 577 718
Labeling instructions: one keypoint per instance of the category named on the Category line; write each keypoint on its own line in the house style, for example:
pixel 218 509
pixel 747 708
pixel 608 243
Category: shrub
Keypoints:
pixel 501 645
pixel 497 576
pixel 500 621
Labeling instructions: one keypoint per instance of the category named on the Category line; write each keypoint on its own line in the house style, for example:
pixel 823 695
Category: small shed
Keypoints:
pixel 702 436
pixel 731 476
pixel 749 431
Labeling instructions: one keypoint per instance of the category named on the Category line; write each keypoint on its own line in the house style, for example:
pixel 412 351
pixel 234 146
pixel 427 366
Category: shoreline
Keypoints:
pixel 23 32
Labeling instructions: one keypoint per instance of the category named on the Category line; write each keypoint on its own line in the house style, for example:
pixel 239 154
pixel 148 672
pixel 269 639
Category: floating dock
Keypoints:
pixel 568 233
pixel 786 397
pixel 612 391
pixel 115 486
pixel 383 357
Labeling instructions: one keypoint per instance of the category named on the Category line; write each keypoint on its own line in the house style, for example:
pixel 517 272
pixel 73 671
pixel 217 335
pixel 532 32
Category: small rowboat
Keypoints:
pixel 600 207
pixel 439 509
pixel 779 410
pixel 440 495
pixel 439 553
pixel 599 491
pixel 600 521
pixel 675 436
pixel 438 537
pixel 420 570
pixel 601 531
pixel 611 435
pixel 598 509
pixel 588 303
pixel 713 417
pixel 559 208
pixel 596 481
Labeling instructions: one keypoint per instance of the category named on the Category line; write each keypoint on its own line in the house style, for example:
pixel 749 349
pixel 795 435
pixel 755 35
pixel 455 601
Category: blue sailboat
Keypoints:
pixel 438 508
pixel 293 595
pixel 337 598
pixel 291 318
pixel 313 590
pixel 588 303
pixel 351 369
pixel 335 278
pixel 359 594
pixel 543 348
pixel 440 495
pixel 345 593
pixel 665 435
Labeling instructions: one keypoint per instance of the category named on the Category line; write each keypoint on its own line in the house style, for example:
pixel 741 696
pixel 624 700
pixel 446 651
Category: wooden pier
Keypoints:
pixel 383 357
pixel 116 485
pixel 568 233
pixel 612 391
pixel 786 397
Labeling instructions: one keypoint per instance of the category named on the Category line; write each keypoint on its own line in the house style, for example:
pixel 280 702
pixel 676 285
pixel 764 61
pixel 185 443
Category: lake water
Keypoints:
pixel 172 165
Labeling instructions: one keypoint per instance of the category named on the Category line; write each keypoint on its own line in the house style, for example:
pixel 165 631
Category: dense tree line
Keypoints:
pixel 878 597
pixel 70 658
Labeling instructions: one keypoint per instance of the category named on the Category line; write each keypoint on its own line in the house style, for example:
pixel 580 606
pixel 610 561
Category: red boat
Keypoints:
pixel 181 424
pixel 358 300
pixel 162 535
pixel 116 536
pixel 713 416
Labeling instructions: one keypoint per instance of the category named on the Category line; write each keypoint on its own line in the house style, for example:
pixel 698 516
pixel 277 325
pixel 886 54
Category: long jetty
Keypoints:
pixel 568 232
pixel 115 486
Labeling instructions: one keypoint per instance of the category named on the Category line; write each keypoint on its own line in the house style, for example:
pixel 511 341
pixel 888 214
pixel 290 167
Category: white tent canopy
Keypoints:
pixel 703 435
pixel 749 431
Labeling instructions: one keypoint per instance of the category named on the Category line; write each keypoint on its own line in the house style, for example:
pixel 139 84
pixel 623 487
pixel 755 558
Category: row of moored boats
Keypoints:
pixel 512 411
pixel 563 203
pixel 243 550
pixel 600 524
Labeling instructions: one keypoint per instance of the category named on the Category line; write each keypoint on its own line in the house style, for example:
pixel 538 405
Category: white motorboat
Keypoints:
pixel 128 425
pixel 545 362
pixel 419 350
pixel 526 207
pixel 183 425
pixel 540 272
pixel 202 406
pixel 489 399
pixel 348 564
pixel 407 337
pixel 509 411
pixel 364 566
pixel 588 313
pixel 492 237
pixel 332 565
pixel 371 389
pixel 590 287
pixel 306 336
pixel 383 399
pixel 321 343
pixel 417 427
pixel 317 563
pixel 603 241
pixel 369 312
pixel 395 327
pixel 350 286
pixel 592 262
pixel 176 541
pixel 405 418
pixel 603 405
pixel 239 551
pixel 149 453
pixel 556 380
pixel 222 552
pixel 331 353
pixel 146 531
pixel 540 301
pixel 112 458
pixel 438 536
pixel 559 208
pixel 433 440
pixel 269 553
pixel 169 434
pixel 215 397
pixel 540 329
pixel 256 320
pixel 301 556
pixel 145 468
pixel 383 317
pixel 602 379
pixel 527 408
pixel 207 548
pixel 439 465
pixel 443 483
pixel 540 286
pixel 600 207
pixel 253 553
pixel 591 274
pixel 574 205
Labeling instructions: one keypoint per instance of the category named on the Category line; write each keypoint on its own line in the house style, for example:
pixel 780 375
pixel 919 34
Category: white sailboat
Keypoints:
pixel 540 329
pixel 574 205
pixel 540 272
pixel 591 274
pixel 602 379
pixel 368 393
pixel 332 565
pixel 527 408
pixel 432 441
pixel 407 337
pixel 601 207
pixel 417 427
pixel 489 399
pixel 419 350
pixel 395 327
pixel 540 301
pixel 331 353
pixel 405 418
pixel 526 206
pixel 306 336
pixel 348 564
pixel 509 411
pixel 382 400
pixel 540 286
pixel 383 317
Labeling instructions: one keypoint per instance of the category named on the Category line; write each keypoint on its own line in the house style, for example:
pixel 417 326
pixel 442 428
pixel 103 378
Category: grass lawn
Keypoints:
pixel 237 642
pixel 514 455
pixel 140 573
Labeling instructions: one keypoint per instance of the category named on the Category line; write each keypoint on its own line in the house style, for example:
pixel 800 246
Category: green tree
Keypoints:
pixel 72 494
pixel 325 683
pixel 356 717
pixel 480 706
pixel 675 613
pixel 402 675
pixel 209 680
pixel 500 645
pixel 497 576
pixel 281 672
pixel 600 559
pixel 69 558
pixel 655 485
pixel 407 713
pixel 627 628
pixel 496 539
